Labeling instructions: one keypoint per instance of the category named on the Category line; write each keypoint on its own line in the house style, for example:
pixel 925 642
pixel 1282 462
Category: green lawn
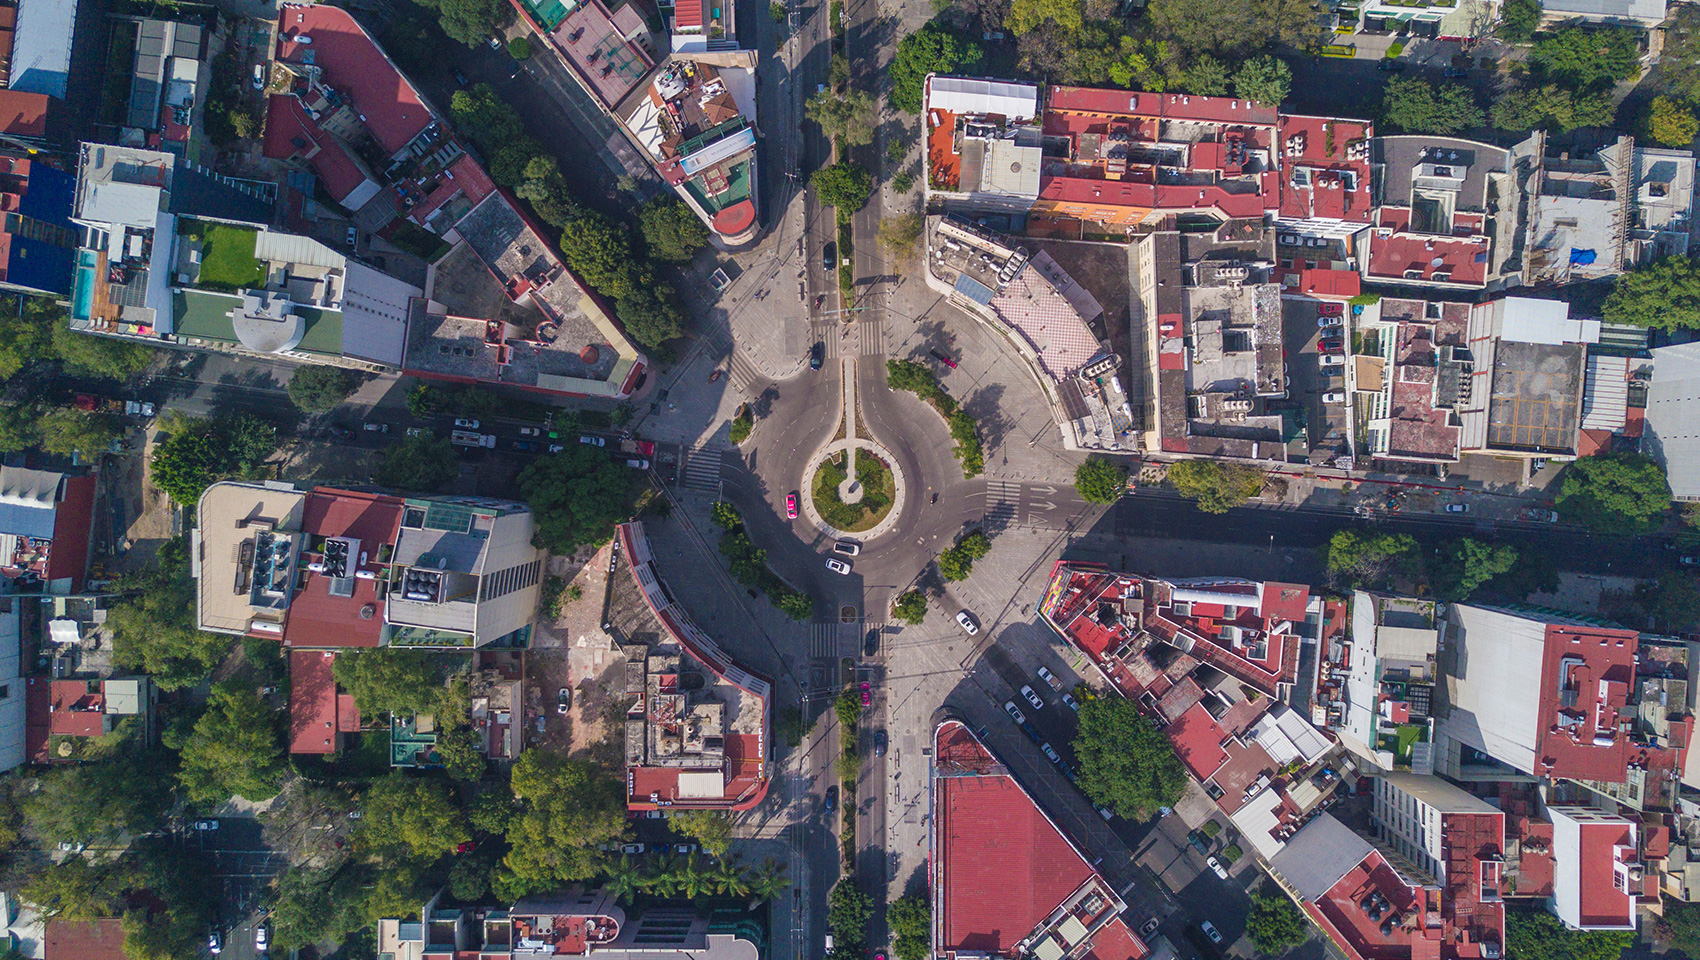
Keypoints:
pixel 227 257
pixel 878 488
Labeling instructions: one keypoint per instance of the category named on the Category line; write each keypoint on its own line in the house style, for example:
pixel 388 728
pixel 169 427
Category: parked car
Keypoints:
pixel 829 256
pixel 817 353
pixel 1032 734
pixel 466 424
pixel 1689 561
pixel 848 548
pixel 1033 698
pixel 1050 752
pixel 418 431
pixel 530 431
pixel 867 693
pixel 1326 322
pixel 631 848
pixel 831 799
pixel 1150 926
pixel 1103 811
pixel 1334 396
pixel 838 566
pixel 1014 712
pixel 1217 868
pixel 377 428
pixel 593 440
pixel 259 76
pixel 638 463
pixel 791 506
pixel 684 849
pixel 879 743
pixel 68 846
pixel 1069 701
pixel 1049 678
pixel 1330 309
pixel 943 359
pixel 1390 65
pixel 207 825
pixel 1331 346
pixel 262 938
pixel 1198 842
pixel 1210 931
pixel 341 432
pixel 530 446
pixel 1456 73
pixel 966 621
pixel 1330 360
pixel 352 238
pixel 556 448
pixel 215 943
pixel 564 700
pixel 871 645
pixel 1457 508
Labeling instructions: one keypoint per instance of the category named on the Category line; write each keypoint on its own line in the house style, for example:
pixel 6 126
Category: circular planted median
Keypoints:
pixel 858 506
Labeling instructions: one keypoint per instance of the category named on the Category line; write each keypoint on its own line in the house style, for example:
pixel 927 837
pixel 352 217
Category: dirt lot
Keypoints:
pixel 571 650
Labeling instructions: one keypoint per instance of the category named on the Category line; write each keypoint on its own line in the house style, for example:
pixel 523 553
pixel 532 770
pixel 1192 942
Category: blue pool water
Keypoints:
pixel 82 299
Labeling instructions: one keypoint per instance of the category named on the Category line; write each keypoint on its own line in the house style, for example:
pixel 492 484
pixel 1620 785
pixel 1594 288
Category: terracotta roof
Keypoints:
pixel 355 66
pixel 318 617
pixel 317 712
pixel 84 940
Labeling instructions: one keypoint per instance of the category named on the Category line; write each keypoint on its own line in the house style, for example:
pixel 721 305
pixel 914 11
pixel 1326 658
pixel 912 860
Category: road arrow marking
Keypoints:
pixel 1046 504
pixel 1047 491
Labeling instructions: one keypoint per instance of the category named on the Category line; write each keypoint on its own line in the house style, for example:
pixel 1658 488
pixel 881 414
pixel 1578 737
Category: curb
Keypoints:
pixel 806 490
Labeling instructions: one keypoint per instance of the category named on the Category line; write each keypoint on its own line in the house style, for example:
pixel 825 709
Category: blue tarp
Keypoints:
pixel 1581 258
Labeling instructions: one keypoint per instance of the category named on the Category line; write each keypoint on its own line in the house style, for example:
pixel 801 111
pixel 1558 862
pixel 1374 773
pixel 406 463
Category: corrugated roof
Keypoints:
pixel 963 95
pixel 28 502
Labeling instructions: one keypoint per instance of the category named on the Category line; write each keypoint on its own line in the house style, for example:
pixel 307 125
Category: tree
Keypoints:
pixel 844 185
pixel 77 888
pixel 1532 933
pixel 1673 600
pixel 570 806
pixel 1232 30
pixel 1614 493
pixel 1357 560
pixel 410 819
pixel 1519 19
pixel 307 907
pixel 1578 58
pixel 1100 480
pixel 711 828
pixel 1418 106
pixel 847 913
pixel 316 388
pixel 1025 15
pixel 899 234
pixel 576 497
pixel 174 876
pixel 1207 77
pixel 911 921
pixel 195 452
pixel 768 880
pixel 848 118
pixel 542 185
pixel 931 49
pixel 484 115
pixel 911 608
pixel 234 751
pixel 1682 925
pixel 153 628
pixel 98 802
pixel 599 251
pixel 1263 79
pixel 1125 763
pixel 1274 924
pixel 1218 487
pixel 1671 122
pixel 650 313
pixel 95 356
pixel 493 809
pixel 1664 295
pixel 958 562
pixel 671 232
pixel 1465 564
pixel 1552 105
pixel 65 431
pixel 24 338
pixel 422 462
pixel 519 48
pixel 389 680
pixel 472 22
pixel 743 423
pixel 460 750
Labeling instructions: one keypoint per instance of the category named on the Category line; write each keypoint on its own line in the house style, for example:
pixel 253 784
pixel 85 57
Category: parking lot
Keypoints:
pixel 1310 380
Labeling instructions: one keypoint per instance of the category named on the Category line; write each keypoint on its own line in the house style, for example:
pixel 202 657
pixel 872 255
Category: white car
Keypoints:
pixel 1050 679
pixel 206 824
pixel 530 432
pixel 1071 703
pixel 1457 508
pixel 1014 712
pixel 849 548
pixel 1210 931
pixel 418 432
pixel 1221 872
pixel 593 441
pixel 378 427
pixel 215 943
pixel 466 423
pixel 1033 698
pixel 1323 323
pixel 261 939
pixel 1330 360
pixel 556 448
pixel 1334 396
pixel 838 566
pixel 966 621
pixel 259 76
pixel 1049 752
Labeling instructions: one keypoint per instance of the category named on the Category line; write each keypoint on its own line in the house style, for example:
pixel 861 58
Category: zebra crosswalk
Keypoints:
pixel 831 640
pixel 702 469
pixel 1003 500
pixel 872 333
pixel 743 374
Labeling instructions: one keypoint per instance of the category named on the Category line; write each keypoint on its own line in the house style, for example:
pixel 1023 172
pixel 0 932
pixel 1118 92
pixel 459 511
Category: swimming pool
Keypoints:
pixel 82 293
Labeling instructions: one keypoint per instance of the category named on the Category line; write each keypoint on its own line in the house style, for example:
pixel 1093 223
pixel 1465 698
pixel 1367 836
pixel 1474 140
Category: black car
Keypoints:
pixel 341 432
pixel 879 743
pixel 831 799
pixel 1390 65
pixel 828 256
pixel 817 353
pixel 871 645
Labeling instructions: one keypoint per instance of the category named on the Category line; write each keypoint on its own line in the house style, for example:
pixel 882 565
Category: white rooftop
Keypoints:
pixel 963 95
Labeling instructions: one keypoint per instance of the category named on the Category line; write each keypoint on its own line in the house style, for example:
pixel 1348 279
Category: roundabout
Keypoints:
pixel 853 488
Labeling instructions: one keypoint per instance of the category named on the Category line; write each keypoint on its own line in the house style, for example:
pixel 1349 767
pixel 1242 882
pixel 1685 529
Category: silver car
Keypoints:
pixel 966 620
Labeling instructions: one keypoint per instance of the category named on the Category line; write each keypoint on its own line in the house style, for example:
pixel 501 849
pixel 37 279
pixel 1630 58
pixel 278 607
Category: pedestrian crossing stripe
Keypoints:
pixel 702 469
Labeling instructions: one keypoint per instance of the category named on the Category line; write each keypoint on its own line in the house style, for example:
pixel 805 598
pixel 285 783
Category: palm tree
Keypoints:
pixel 665 876
pixel 729 878
pixel 696 878
pixel 625 878
pixel 766 881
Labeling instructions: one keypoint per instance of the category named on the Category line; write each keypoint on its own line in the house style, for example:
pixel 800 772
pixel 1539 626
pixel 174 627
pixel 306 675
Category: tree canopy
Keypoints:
pixel 671 232
pixel 844 185
pixel 472 22
pixel 1368 560
pixel 957 562
pixel 1532 933
pixel 1614 493
pixel 911 608
pixel 1100 480
pixel 1274 924
pixel 194 453
pixel 849 117
pixel 234 750
pixel 1263 79
pixel 1671 123
pixel 1126 764
pixel 421 462
pixel 1419 106
pixel 153 628
pixel 712 829
pixel 1552 105
pixel 931 49
pixel 1465 564
pixel 910 920
pixel 1664 295
pixel 410 818
pixel 599 249
pixel 98 802
pixel 1232 30
pixel 569 807
pixel 1218 487
pixel 388 680
pixel 576 497
pixel 318 387
pixel 1581 57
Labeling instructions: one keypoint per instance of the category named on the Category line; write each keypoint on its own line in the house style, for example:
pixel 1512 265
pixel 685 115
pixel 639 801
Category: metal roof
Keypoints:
pixel 41 46
pixel 962 95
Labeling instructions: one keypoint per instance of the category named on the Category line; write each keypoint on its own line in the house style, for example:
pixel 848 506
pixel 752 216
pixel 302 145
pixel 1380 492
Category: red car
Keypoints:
pixel 943 359
pixel 867 693
pixel 1331 346
pixel 791 506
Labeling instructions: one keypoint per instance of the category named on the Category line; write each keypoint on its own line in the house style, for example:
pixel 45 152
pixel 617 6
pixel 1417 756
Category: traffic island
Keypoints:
pixel 854 498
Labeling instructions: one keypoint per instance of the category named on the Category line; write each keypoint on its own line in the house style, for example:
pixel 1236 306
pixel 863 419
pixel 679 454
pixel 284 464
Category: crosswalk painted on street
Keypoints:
pixel 872 333
pixel 1003 501
pixel 702 469
pixel 832 639
pixel 823 640
pixel 743 372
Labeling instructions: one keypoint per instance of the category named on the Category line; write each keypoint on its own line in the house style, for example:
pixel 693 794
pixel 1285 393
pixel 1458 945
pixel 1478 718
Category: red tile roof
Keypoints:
pixel 1595 666
pixel 75 712
pixel 84 940
pixel 287 122
pixel 1465 258
pixel 688 13
pixel 1116 942
pixel 355 66
pixel 317 712
pixel 1001 866
pixel 318 619
pixel 1169 106
pixel 73 515
pixel 1198 741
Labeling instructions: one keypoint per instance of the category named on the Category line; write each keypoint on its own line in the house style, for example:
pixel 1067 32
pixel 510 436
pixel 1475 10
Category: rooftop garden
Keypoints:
pixel 227 255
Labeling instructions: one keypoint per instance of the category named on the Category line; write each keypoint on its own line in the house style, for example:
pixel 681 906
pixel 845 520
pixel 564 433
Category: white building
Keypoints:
pixel 1672 435
pixel 1597 873
pixel 1421 818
